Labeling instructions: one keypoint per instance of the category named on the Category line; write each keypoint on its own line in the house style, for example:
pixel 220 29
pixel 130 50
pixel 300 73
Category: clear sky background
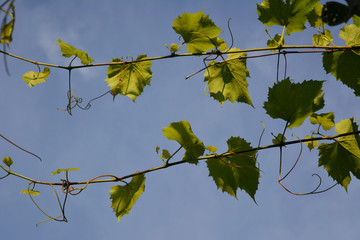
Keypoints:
pixel 119 137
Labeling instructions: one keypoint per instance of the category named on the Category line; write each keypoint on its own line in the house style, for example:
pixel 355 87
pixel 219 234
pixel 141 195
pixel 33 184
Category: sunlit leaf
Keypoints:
pixel 294 102
pixel 165 154
pixel 211 149
pixel 277 41
pixel 124 197
pixel 326 120
pixel 314 17
pixel 199 32
pixel 343 156
pixel 292 13
pixel 33 78
pixel 64 170
pixel 68 51
pixel 236 171
pixel 227 80
pixel 174 47
pixel 7 161
pixel 31 192
pixel 311 144
pixel 183 134
pixel 8 27
pixel 279 139
pixel 129 79
pixel 323 39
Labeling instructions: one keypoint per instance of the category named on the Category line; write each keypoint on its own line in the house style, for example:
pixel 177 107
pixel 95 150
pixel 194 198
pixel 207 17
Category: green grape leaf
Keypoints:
pixel 279 139
pixel 343 156
pixel 292 14
pixel 326 120
pixel 227 79
pixel 34 78
pixel 350 142
pixel 7 161
pixel 31 192
pixel 344 66
pixel 350 33
pixel 319 103
pixel 165 154
pixel 199 32
pixel 235 171
pixel 211 149
pixel 8 28
pixel 276 41
pixel 311 144
pixel 123 198
pixel 67 51
pixel 182 133
pixel 314 17
pixel 129 79
pixel 294 102
pixel 63 170
pixel 174 48
pixel 323 39
pixel 356 20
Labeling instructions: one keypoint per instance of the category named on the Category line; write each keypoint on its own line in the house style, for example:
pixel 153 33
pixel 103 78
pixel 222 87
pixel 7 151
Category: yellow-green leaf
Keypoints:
pixel 8 161
pixel 68 51
pixel 236 171
pixel 31 192
pixel 33 78
pixel 64 170
pixel 211 149
pixel 129 79
pixel 182 133
pixel 124 197
pixel 8 27
pixel 227 79
pixel 199 32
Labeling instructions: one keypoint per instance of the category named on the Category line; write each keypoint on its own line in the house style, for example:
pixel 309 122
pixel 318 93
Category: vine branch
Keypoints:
pixel 167 164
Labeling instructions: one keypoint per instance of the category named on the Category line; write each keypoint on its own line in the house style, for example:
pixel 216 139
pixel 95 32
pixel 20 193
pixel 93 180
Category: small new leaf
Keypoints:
pixel 63 170
pixel 235 171
pixel 129 79
pixel 199 32
pixel 326 120
pixel 291 14
pixel 311 144
pixel 343 156
pixel 174 48
pixel 165 154
pixel 124 197
pixel 277 41
pixel 31 192
pixel 227 79
pixel 33 78
pixel 322 39
pixel 67 51
pixel 279 139
pixel 182 133
pixel 294 102
pixel 211 149
pixel 7 161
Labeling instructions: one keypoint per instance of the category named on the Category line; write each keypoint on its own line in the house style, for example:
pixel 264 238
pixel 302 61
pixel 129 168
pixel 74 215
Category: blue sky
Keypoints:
pixel 119 137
